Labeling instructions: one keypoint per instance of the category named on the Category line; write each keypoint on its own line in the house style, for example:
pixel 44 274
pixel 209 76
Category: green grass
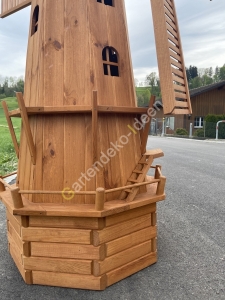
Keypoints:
pixel 8 159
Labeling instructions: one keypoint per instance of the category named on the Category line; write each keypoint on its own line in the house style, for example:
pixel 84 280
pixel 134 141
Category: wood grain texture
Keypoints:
pixel 60 78
pixel 69 280
pixel 71 266
pixel 121 229
pixel 131 240
pixel 66 222
pixel 59 250
pixel 130 214
pixel 169 53
pixel 9 7
pixel 121 258
pixel 130 268
pixel 73 236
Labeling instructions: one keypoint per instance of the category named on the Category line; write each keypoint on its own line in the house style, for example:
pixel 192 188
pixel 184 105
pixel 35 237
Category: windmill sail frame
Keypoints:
pixel 172 72
pixel 9 7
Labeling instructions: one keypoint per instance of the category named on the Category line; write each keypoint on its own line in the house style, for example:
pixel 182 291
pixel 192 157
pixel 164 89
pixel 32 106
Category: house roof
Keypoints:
pixel 207 88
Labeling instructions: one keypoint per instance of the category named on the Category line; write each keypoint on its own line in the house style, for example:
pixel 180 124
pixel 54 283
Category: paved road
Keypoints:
pixel 191 243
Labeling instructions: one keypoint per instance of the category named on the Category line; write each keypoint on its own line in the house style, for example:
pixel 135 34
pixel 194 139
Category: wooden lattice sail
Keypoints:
pixel 172 72
pixel 12 6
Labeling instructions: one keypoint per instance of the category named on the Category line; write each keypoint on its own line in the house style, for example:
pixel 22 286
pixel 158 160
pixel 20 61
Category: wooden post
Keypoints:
pixel 161 186
pixel 17 198
pixel 95 126
pixel 100 199
pixel 26 125
pixel 157 173
pixel 144 136
pixel 11 129
pixel 2 187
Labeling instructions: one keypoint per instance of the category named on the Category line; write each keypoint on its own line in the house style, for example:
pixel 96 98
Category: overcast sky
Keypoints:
pixel 202 26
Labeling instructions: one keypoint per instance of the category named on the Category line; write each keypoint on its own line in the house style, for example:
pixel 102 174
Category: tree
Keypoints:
pixel 217 74
pixel 188 75
pixel 193 71
pixel 222 73
pixel 154 83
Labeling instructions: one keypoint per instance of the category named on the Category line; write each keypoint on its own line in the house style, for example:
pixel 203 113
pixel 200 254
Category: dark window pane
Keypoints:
pixel 108 2
pixel 114 71
pixel 105 67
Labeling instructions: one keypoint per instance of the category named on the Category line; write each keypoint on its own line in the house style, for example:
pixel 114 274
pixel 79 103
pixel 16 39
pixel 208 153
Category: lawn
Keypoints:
pixel 8 159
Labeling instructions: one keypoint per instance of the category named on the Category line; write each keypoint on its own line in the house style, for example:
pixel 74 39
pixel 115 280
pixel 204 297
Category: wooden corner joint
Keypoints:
pixel 16 198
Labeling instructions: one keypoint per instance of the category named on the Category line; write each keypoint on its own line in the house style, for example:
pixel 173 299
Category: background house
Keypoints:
pixel 205 100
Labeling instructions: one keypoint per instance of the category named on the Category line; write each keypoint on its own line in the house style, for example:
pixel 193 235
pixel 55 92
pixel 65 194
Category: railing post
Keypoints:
pixel 100 199
pixel 161 186
pixel 17 198
pixel 157 173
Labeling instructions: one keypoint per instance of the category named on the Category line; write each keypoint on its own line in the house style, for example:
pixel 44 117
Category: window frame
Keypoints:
pixel 199 122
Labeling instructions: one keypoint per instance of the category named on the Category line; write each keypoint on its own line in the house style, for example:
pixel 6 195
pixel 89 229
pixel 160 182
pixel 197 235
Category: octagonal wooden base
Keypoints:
pixel 82 252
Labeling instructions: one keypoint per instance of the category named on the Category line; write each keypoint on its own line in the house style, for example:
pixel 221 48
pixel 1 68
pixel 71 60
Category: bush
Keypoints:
pixel 210 126
pixel 2 96
pixel 181 131
pixel 199 132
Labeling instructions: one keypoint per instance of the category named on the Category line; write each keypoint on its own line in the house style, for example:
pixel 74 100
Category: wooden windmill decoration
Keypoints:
pixel 83 211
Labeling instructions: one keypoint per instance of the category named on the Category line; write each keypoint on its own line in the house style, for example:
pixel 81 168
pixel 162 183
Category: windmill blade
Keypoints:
pixel 11 6
pixel 172 72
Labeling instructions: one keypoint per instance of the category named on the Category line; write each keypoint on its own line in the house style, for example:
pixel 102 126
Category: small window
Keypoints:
pixel 34 27
pixel 198 122
pixel 107 2
pixel 110 61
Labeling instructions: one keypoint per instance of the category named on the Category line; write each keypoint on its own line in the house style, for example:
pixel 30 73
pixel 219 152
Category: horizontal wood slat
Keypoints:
pixel 131 268
pixel 73 236
pixel 58 250
pixel 179 88
pixel 177 72
pixel 121 229
pixel 175 63
pixel 121 258
pixel 131 214
pixel 66 222
pixel 171 30
pixel 69 280
pixel 131 240
pixel 169 8
pixel 73 266
pixel 181 104
pixel 181 96
pixel 178 79
pixel 78 109
pixel 181 111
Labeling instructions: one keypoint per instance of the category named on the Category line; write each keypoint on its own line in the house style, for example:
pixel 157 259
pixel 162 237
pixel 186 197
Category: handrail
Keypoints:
pixel 84 193
pixel 217 128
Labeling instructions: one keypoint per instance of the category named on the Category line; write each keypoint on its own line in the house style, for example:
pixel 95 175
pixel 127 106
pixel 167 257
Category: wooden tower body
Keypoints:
pixel 83 211
pixel 65 62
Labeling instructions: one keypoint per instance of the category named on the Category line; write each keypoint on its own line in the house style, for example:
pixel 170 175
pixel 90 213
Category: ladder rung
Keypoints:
pixel 133 180
pixel 138 172
pixel 128 191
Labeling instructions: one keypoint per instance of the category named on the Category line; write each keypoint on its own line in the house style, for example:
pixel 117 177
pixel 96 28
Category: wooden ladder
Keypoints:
pixel 139 173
